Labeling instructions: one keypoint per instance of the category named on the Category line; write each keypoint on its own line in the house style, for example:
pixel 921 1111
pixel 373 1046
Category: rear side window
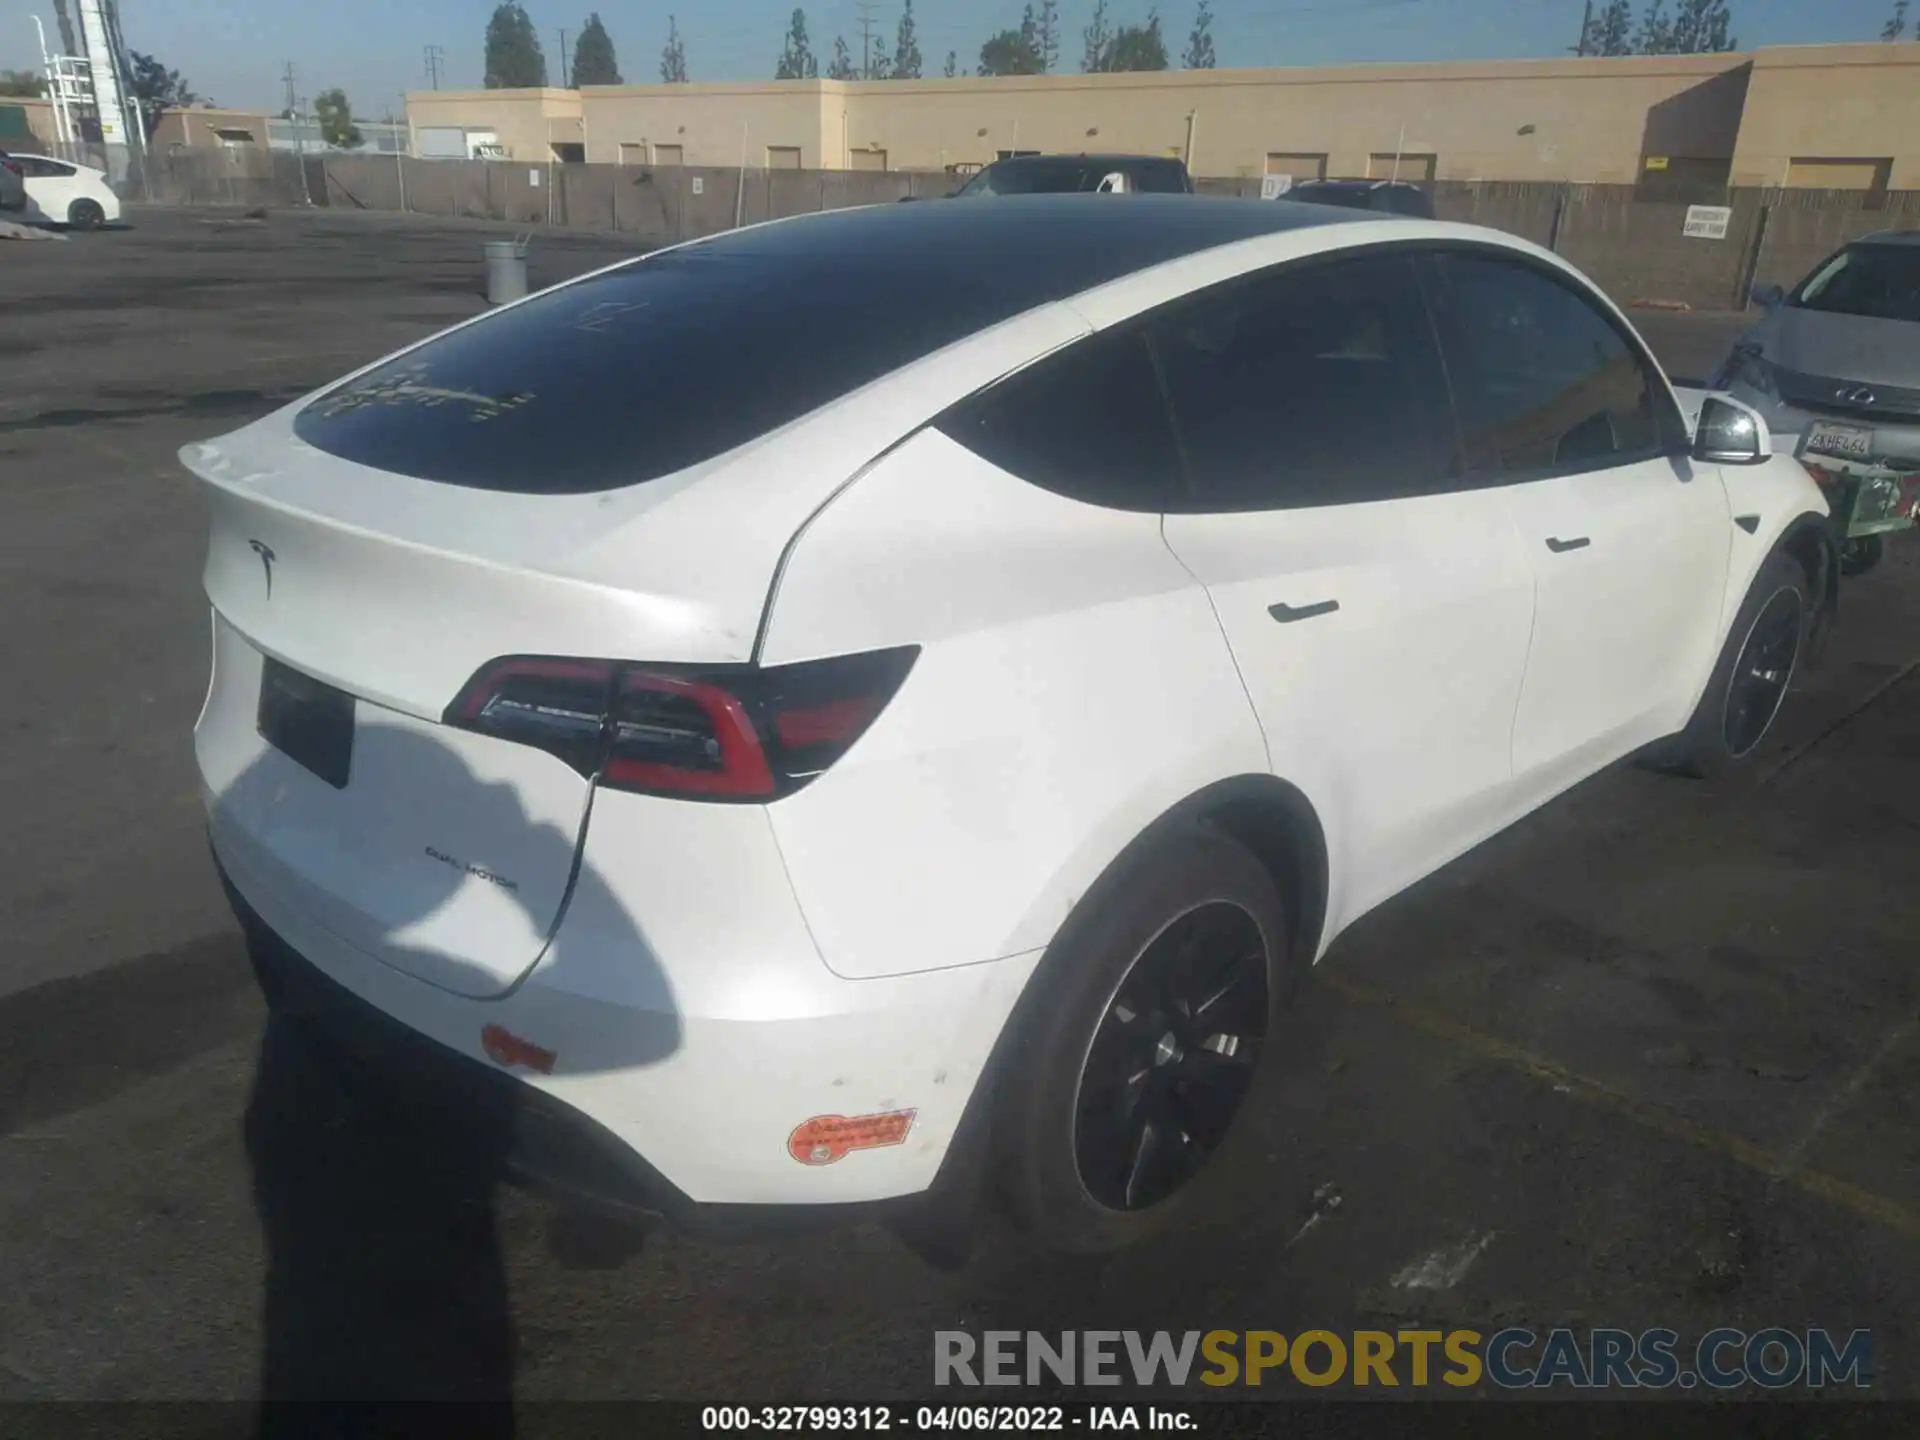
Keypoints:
pixel 1087 423
pixel 645 370
pixel 1545 383
pixel 1319 385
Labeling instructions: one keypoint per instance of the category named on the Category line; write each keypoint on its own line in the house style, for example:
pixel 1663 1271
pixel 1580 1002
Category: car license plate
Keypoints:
pixel 308 721
pixel 1849 442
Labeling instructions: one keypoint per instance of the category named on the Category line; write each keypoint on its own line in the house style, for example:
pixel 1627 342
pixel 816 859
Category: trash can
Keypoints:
pixel 506 270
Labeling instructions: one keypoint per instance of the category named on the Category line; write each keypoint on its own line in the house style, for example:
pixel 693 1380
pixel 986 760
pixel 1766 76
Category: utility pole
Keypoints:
pixel 566 75
pixel 1586 29
pixel 435 57
pixel 866 8
pixel 299 138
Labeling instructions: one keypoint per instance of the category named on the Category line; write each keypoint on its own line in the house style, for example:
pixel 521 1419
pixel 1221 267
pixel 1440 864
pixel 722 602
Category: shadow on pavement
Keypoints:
pixel 375 1154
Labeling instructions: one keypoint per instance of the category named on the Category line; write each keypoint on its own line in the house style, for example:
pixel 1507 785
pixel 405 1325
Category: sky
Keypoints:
pixel 235 53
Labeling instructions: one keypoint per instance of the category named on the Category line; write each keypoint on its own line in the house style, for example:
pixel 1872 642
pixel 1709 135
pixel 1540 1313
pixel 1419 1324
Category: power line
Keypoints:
pixel 435 57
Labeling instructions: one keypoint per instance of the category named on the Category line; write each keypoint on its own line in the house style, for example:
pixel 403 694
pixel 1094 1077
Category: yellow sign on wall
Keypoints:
pixel 1656 162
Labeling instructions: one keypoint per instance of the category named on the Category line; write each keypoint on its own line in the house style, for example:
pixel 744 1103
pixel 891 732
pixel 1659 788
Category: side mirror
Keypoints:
pixel 1767 297
pixel 1729 433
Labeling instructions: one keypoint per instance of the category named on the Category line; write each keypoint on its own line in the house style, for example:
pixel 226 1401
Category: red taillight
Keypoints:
pixel 738 733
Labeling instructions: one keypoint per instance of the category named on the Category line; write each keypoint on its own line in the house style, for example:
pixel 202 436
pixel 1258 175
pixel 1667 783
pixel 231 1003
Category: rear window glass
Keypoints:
pixel 670 361
pixel 642 371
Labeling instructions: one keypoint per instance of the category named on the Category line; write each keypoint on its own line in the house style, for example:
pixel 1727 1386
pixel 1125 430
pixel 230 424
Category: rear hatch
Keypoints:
pixel 346 622
pixel 499 491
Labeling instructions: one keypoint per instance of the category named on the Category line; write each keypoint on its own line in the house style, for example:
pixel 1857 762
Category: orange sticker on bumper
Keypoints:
pixel 504 1047
pixel 827 1138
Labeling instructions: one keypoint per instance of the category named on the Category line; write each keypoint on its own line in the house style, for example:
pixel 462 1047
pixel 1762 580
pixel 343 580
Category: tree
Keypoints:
pixel 1199 54
pixel 335 115
pixel 1138 47
pixel 906 48
pixel 515 60
pixel 1047 35
pixel 797 61
pixel 1896 25
pixel 842 66
pixel 1015 52
pixel 1096 39
pixel 21 83
pixel 1701 27
pixel 1611 31
pixel 593 58
pixel 953 64
pixel 156 88
pixel 673 56
pixel 1656 31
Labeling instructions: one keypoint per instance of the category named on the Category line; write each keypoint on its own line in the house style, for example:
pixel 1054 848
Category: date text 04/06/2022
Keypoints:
pixel 813 1419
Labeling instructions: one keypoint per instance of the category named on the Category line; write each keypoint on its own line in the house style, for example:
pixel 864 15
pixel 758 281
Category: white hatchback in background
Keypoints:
pixel 819 713
pixel 68 194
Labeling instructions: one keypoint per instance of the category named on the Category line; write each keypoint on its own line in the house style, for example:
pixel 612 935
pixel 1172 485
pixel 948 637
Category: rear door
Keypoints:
pixel 1627 538
pixel 1378 608
pixel 50 186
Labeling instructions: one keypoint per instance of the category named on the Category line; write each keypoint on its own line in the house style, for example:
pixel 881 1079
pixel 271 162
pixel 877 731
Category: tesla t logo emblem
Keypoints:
pixel 267 557
pixel 1860 396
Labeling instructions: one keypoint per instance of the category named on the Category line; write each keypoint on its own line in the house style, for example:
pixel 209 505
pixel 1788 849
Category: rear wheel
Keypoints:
pixel 86 215
pixel 1142 1040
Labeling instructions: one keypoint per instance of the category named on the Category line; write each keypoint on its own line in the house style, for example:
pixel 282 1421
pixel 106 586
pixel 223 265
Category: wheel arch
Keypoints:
pixel 1275 821
pixel 1809 539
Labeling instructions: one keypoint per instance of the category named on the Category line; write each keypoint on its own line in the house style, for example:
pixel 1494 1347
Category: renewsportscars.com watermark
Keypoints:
pixel 1514 1358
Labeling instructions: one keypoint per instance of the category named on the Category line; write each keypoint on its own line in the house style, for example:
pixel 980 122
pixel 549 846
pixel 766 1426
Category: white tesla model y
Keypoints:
pixel 901 693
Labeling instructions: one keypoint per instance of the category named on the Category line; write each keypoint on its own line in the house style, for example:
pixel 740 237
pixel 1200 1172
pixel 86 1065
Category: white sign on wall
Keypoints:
pixel 1272 187
pixel 1708 222
pixel 533 178
pixel 699 184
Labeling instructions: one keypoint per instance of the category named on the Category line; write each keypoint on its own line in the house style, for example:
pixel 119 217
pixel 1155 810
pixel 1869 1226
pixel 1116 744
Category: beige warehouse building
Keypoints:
pixel 1842 116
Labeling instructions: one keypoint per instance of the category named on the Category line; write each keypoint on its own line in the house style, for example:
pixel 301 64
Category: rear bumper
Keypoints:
pixel 525 1134
pixel 677 1095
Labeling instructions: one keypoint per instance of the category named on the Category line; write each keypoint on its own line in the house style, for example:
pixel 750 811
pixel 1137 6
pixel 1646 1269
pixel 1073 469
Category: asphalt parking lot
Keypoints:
pixel 1652 1058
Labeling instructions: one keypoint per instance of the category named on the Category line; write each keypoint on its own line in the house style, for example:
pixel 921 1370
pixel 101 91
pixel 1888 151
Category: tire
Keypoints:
pixel 1741 701
pixel 1859 555
pixel 1190 903
pixel 86 215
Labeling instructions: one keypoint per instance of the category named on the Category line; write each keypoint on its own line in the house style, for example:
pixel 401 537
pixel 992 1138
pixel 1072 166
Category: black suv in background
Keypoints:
pixel 1072 174
pixel 13 185
pixel 1395 197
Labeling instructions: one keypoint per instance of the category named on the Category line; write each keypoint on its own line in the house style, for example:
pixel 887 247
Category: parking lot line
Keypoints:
pixel 1873 697
pixel 1782 1169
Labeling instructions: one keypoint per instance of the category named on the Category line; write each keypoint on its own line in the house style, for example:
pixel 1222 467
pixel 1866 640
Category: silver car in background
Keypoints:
pixel 1835 369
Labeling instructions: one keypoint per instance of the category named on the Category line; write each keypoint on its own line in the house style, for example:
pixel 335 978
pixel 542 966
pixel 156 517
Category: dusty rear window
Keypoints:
pixel 668 361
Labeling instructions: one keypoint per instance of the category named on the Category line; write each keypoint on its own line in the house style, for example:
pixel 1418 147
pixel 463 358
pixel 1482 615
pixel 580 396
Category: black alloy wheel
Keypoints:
pixel 1763 670
pixel 1172 1057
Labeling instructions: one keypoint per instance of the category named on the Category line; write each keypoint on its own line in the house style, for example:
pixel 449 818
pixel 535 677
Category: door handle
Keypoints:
pixel 1287 614
pixel 1560 547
